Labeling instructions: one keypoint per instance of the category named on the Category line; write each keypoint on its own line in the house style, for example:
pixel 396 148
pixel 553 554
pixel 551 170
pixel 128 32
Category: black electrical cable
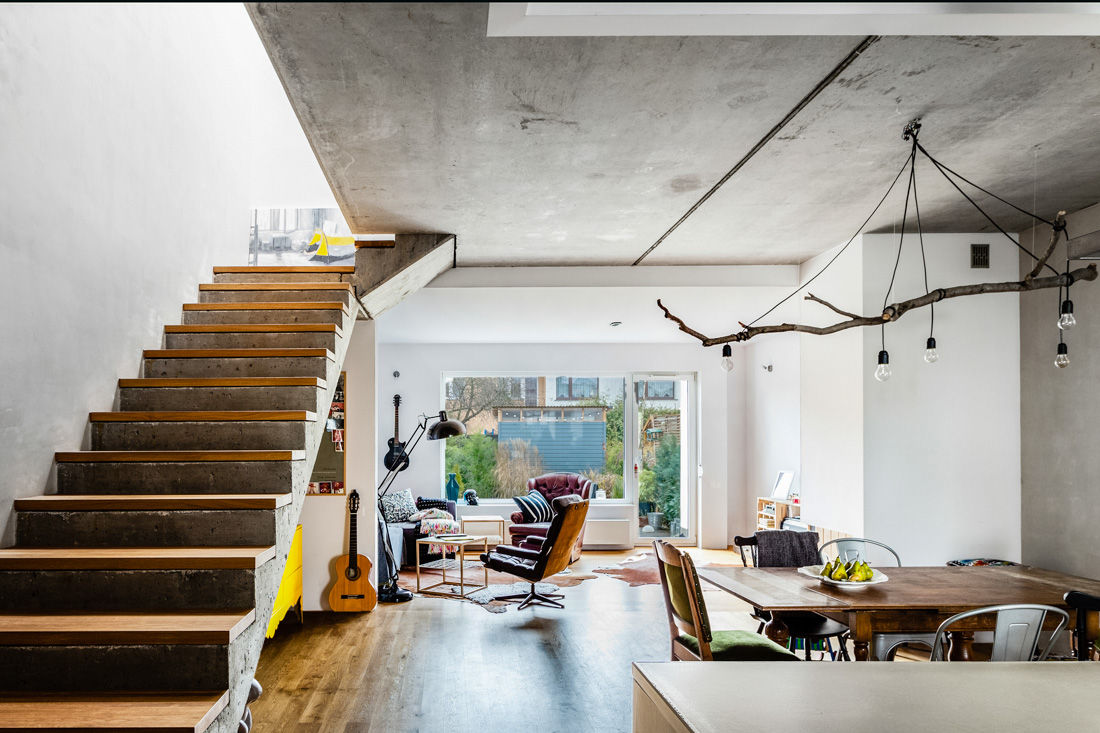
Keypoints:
pixel 924 260
pixel 904 217
pixel 983 213
pixel 846 245
pixel 986 191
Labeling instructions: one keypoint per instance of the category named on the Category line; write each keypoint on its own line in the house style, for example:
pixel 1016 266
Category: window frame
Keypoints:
pixel 570 395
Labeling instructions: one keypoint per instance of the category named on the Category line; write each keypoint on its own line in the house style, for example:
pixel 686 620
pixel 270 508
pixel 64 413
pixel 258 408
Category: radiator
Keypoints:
pixel 607 533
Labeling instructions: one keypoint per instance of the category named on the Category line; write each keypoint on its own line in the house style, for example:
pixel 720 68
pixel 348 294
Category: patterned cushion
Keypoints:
pixel 398 506
pixel 423 502
pixel 535 508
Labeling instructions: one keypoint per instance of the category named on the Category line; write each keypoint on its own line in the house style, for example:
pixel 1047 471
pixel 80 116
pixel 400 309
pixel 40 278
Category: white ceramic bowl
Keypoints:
pixel 814 571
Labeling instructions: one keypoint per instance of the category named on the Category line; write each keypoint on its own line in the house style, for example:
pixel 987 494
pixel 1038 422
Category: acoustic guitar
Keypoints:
pixel 396 459
pixel 351 588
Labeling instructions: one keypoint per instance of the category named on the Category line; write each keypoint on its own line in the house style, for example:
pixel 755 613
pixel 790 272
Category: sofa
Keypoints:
pixel 551 486
pixel 403 537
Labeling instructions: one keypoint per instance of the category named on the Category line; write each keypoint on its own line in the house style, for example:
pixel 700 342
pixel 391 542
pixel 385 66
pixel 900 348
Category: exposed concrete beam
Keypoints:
pixel 385 277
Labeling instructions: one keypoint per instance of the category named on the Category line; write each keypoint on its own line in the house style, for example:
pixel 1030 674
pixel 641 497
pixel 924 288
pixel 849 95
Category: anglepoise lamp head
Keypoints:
pixel 445 428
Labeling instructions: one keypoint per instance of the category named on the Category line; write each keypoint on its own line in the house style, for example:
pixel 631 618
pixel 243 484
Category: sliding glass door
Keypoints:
pixel 663 457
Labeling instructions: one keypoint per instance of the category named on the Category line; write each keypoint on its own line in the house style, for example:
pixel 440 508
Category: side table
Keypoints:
pixel 464 588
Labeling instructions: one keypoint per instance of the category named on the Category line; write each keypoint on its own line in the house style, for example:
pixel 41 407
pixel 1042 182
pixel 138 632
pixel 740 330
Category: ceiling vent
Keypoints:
pixel 979 257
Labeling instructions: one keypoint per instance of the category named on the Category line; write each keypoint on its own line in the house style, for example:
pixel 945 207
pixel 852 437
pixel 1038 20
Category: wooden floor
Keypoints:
pixel 442 665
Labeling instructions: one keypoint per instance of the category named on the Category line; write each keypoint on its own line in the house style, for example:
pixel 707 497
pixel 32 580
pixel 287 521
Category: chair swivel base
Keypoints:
pixel 533 597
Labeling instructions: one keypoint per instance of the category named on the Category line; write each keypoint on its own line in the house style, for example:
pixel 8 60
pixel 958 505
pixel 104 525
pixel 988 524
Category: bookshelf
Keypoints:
pixel 770 513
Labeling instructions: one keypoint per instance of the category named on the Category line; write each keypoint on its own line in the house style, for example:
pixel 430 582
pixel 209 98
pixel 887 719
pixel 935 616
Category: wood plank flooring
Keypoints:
pixel 442 665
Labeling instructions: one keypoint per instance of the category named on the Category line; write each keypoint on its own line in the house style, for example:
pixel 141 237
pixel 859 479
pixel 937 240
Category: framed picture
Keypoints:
pixel 782 487
pixel 324 487
pixel 338 487
pixel 312 488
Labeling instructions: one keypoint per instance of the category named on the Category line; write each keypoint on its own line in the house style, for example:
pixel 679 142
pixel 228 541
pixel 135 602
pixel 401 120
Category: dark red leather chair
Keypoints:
pixel 541 557
pixel 552 486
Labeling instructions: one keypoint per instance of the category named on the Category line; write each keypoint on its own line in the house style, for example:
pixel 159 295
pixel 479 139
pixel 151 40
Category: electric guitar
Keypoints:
pixel 396 459
pixel 351 588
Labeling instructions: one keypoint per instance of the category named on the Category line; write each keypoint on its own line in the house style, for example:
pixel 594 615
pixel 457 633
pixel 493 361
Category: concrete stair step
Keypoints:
pixel 180 472
pixel 253 336
pixel 276 293
pixel 232 393
pixel 34 579
pixel 150 502
pixel 201 430
pixel 106 520
pixel 88 651
pixel 159 712
pixel 134 558
pixel 79 629
pixel 272 313
pixel 282 273
pixel 169 363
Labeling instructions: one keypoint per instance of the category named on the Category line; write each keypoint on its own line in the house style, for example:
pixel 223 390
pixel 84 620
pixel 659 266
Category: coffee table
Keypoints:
pixel 464 588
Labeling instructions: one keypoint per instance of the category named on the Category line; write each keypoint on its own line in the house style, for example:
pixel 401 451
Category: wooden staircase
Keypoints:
pixel 136 597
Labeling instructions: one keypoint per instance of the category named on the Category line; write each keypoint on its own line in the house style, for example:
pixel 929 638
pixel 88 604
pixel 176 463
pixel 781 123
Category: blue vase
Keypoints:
pixel 452 487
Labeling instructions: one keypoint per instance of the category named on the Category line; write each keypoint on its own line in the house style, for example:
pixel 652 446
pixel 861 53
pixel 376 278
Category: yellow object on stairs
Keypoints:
pixel 290 587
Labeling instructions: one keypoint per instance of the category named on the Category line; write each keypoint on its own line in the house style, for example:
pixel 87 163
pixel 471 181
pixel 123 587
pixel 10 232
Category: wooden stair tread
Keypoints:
pixel 234 353
pixel 274 286
pixel 155 712
pixel 204 416
pixel 258 306
pixel 256 328
pixel 134 558
pixel 330 269
pixel 174 456
pixel 123 628
pixel 149 502
pixel 224 382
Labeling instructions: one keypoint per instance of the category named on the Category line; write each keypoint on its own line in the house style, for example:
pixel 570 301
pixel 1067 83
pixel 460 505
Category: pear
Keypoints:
pixel 827 569
pixel 839 573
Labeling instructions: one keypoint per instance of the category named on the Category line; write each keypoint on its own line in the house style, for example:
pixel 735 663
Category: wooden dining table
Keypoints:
pixel 913 600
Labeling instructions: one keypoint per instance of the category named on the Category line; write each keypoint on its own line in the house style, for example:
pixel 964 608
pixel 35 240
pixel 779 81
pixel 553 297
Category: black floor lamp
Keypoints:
pixel 443 428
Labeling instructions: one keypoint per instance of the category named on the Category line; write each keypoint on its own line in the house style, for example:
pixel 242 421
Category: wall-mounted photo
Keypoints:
pixel 300 237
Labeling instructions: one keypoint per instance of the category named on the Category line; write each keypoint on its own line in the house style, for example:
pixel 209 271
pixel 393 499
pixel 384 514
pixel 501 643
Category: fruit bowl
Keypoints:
pixel 814 571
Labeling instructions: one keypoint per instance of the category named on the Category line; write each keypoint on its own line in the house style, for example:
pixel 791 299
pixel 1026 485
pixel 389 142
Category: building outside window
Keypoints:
pixel 577 388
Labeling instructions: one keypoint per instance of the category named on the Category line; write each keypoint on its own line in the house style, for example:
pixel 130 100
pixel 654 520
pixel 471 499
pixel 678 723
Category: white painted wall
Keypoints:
pixel 831 398
pixel 772 417
pixel 135 140
pixel 422 365
pixel 942 441
pixel 325 518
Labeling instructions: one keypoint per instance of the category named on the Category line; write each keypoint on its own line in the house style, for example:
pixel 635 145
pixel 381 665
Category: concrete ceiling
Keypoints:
pixel 572 150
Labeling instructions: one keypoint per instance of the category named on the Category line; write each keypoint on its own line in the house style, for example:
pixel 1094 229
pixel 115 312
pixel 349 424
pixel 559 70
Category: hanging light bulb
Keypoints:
pixel 930 354
pixel 1062 360
pixel 1067 321
pixel 727 358
pixel 882 371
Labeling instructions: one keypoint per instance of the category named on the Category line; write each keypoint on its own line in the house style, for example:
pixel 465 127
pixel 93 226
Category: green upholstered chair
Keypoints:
pixel 689 626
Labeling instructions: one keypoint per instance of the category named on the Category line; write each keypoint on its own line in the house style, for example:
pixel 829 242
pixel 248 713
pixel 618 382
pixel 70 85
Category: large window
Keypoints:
pixel 577 388
pixel 511 437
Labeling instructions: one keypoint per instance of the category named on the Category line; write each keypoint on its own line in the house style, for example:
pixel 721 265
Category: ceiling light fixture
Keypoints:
pixel 893 311
pixel 727 357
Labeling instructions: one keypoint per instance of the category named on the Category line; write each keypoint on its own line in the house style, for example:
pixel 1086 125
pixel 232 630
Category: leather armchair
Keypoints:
pixel 552 486
pixel 539 557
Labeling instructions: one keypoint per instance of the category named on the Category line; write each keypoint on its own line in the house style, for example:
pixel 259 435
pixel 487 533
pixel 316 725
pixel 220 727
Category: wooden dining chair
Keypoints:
pixel 805 627
pixel 1016 636
pixel 688 624
pixel 1086 608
